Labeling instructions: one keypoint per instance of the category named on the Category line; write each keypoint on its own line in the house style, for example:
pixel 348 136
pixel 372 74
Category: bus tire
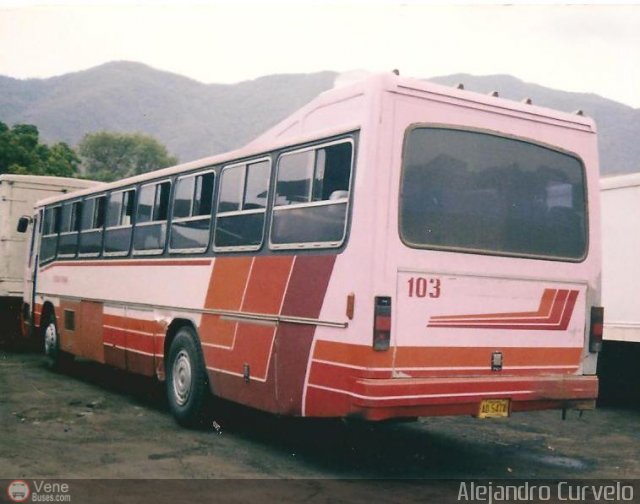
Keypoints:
pixel 186 379
pixel 56 358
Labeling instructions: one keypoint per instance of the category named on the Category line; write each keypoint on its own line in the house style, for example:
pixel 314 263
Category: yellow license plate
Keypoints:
pixel 494 408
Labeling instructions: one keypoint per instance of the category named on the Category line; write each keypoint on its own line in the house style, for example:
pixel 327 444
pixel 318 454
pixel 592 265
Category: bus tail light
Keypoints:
pixel 596 330
pixel 382 323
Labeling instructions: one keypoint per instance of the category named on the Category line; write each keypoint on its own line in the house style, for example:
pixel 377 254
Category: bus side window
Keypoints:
pixel 50 230
pixel 242 205
pixel 191 217
pixel 68 242
pixel 91 224
pixel 117 240
pixel 150 231
pixel 312 196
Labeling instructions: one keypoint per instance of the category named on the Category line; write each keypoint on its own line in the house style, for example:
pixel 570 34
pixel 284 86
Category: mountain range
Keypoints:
pixel 194 119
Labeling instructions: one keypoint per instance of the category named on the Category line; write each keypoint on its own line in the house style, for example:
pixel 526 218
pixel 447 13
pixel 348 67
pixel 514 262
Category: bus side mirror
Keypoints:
pixel 23 224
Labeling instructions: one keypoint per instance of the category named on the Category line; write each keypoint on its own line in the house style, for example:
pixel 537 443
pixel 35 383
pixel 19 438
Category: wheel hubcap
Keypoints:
pixel 181 378
pixel 50 340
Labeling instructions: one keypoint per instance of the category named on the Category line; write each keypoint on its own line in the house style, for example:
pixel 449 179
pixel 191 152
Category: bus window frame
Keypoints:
pixel 56 226
pixel 137 225
pixel 78 215
pixel 93 229
pixel 107 228
pixel 242 190
pixel 211 216
pixel 275 207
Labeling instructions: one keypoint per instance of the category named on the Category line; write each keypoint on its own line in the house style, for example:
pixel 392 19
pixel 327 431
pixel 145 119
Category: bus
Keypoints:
pixel 393 249
pixel 18 194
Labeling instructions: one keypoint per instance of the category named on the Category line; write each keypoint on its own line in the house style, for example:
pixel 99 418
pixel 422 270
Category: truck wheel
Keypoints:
pixel 186 379
pixel 55 357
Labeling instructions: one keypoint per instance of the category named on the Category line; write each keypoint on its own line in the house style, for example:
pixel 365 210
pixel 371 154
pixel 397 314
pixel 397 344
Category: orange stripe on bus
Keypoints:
pixel 150 326
pixel 355 355
pixel 267 284
pixel 252 344
pixel 227 286
pixel 423 357
pixel 133 333
pixel 335 376
pixel 227 283
pixel 217 331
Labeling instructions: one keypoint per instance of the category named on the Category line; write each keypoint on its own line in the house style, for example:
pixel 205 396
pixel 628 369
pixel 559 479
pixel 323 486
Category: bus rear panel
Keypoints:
pixel 485 256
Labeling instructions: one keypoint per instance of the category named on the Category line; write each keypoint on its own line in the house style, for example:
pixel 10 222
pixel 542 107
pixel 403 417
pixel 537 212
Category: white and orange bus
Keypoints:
pixel 393 249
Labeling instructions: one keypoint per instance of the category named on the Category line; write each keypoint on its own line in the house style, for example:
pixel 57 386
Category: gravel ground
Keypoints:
pixel 92 421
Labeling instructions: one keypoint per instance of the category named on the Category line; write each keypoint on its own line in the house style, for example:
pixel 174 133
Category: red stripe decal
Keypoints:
pixel 298 285
pixel 544 309
pixel 552 317
pixel 305 295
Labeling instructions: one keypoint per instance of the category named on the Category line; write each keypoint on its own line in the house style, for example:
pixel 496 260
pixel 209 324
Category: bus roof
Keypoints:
pixel 620 181
pixel 419 88
pixel 346 108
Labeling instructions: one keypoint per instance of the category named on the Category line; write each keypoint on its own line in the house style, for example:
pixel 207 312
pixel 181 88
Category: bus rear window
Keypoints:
pixel 477 192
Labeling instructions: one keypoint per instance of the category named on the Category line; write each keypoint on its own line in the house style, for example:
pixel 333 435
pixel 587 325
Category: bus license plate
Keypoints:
pixel 494 408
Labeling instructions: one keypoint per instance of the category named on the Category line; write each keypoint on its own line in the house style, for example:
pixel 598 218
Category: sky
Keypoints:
pixel 584 48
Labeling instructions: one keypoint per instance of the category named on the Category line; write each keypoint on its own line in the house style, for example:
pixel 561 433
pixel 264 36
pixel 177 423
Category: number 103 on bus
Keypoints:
pixel 424 287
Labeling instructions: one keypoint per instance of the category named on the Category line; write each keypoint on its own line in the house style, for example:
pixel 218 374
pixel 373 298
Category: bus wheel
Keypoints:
pixel 56 357
pixel 186 379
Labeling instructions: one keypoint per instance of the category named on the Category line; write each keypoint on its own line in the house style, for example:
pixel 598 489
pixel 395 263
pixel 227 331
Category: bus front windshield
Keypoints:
pixel 478 192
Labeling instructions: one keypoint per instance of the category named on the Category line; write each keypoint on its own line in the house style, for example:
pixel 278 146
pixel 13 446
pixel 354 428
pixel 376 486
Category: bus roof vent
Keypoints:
pixel 578 112
pixel 527 101
pixel 460 85
pixel 494 93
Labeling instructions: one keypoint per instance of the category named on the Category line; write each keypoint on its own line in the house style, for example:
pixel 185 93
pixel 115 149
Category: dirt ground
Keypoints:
pixel 96 422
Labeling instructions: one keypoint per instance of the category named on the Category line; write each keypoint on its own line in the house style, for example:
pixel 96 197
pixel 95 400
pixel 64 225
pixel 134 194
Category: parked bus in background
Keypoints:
pixel 18 194
pixel 620 196
pixel 394 248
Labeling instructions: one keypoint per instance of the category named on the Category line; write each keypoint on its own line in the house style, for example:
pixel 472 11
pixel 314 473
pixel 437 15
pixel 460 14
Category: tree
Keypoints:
pixel 21 152
pixel 110 156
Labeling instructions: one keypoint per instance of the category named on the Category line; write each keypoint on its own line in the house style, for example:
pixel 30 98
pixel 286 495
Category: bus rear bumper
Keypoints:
pixel 378 399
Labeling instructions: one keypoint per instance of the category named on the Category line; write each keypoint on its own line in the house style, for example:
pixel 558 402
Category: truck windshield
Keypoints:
pixel 478 192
